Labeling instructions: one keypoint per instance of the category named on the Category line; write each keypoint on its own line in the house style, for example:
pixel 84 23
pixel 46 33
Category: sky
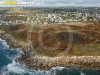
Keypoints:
pixel 85 3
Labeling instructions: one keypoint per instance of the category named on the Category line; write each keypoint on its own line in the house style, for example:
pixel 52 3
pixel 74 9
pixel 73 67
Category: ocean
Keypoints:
pixel 10 66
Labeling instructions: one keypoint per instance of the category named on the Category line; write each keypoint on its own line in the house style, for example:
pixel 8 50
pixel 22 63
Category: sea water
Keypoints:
pixel 10 66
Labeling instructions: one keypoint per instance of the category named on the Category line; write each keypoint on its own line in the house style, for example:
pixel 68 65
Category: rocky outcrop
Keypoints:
pixel 34 61
pixel 45 63
pixel 13 42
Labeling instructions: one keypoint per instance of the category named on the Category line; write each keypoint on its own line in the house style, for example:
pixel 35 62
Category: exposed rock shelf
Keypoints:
pixel 34 61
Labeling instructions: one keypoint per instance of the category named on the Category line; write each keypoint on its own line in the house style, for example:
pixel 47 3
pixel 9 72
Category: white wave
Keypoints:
pixel 83 73
pixel 58 68
pixel 4 43
pixel 17 68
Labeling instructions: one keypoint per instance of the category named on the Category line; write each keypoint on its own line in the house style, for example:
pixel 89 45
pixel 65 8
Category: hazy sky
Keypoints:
pixel 63 2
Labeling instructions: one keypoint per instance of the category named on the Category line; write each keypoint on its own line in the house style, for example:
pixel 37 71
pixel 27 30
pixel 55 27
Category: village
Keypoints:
pixel 47 18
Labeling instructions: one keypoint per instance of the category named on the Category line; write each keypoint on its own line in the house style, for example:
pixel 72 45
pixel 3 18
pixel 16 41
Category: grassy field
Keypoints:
pixel 85 42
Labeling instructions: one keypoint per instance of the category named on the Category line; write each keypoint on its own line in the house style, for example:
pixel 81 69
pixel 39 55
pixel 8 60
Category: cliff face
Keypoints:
pixel 33 60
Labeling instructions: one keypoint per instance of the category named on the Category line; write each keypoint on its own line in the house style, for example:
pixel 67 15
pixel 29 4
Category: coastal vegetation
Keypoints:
pixel 85 36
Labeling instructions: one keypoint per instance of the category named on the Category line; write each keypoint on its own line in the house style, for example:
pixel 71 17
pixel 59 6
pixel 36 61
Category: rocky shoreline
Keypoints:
pixel 34 61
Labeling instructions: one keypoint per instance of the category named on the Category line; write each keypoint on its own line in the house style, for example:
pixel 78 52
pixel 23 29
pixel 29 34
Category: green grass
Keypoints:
pixel 87 49
pixel 15 34
pixel 4 27
pixel 48 53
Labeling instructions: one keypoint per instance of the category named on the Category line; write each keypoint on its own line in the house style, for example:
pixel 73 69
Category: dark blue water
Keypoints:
pixel 9 66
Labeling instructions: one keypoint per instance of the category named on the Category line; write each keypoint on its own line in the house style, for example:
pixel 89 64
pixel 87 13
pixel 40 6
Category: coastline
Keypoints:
pixel 34 61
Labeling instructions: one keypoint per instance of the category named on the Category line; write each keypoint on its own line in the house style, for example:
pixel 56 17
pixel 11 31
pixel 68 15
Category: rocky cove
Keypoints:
pixel 34 61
